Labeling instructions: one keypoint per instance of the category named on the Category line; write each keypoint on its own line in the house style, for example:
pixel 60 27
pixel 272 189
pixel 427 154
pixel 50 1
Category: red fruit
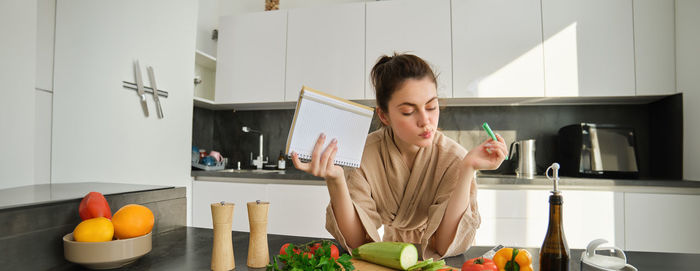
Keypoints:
pixel 334 252
pixel 479 264
pixel 94 205
pixel 309 255
pixel 314 247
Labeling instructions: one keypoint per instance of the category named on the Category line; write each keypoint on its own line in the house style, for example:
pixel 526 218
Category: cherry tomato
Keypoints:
pixel 334 252
pixel 314 247
pixel 283 250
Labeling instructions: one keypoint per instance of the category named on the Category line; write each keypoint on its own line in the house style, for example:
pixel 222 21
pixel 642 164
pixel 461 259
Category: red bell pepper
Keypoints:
pixel 479 264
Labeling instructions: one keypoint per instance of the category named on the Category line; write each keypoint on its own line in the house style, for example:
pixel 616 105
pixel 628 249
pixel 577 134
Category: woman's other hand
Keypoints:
pixel 321 164
pixel 487 156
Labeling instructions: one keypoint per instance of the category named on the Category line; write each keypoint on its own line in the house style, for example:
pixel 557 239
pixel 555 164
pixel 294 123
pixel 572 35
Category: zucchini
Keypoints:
pixel 390 254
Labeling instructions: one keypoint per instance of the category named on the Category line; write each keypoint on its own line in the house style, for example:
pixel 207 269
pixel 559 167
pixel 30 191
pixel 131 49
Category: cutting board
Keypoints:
pixel 361 265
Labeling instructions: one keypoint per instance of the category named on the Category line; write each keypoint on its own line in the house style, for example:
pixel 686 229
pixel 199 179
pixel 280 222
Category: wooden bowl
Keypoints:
pixel 106 255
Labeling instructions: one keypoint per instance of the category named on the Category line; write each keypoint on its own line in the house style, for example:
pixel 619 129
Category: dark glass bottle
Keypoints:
pixel 554 254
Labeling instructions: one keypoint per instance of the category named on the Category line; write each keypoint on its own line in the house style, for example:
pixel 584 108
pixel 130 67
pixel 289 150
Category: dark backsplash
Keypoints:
pixel 658 128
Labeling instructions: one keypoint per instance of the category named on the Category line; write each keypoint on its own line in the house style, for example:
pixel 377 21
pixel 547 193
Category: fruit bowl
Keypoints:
pixel 106 255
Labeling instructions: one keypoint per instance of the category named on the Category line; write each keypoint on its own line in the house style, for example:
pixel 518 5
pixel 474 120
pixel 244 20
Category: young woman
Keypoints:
pixel 413 180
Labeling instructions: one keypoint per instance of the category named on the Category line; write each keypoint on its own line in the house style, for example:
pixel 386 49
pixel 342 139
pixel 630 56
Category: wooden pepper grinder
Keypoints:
pixel 222 250
pixel 258 254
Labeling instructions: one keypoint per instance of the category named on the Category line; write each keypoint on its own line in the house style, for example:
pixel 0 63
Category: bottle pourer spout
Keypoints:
pixel 555 176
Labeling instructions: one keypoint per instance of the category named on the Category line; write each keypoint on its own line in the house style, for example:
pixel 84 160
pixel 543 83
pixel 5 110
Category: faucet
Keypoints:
pixel 258 162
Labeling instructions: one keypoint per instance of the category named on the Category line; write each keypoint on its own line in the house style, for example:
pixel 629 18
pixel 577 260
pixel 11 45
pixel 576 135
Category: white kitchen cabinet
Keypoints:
pixel 250 58
pixel 497 49
pixel 588 48
pixel 298 210
pixel 417 27
pixel 654 45
pixel 662 222
pixel 205 193
pixel 326 50
pixel 521 217
pixel 100 132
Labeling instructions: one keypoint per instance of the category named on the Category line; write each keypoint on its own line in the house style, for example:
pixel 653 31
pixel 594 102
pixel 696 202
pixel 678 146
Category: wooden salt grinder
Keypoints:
pixel 222 250
pixel 258 254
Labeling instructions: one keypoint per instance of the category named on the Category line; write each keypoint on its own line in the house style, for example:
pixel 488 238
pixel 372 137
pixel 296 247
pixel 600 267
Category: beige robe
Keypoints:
pixel 409 203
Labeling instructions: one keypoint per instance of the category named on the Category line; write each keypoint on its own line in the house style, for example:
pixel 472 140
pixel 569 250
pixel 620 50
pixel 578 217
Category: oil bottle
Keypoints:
pixel 554 254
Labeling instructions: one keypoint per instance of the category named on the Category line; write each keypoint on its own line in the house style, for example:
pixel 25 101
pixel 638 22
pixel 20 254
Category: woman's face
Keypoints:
pixel 413 112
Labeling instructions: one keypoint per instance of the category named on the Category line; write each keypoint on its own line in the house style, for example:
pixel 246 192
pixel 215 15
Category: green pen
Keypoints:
pixel 491 134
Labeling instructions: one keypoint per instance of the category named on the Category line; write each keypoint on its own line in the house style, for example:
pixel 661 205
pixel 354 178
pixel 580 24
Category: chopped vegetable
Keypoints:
pixel 390 254
pixel 513 259
pixel 479 264
pixel 435 266
pixel 420 265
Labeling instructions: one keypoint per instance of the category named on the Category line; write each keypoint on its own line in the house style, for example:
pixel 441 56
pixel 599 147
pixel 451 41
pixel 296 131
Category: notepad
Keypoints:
pixel 318 112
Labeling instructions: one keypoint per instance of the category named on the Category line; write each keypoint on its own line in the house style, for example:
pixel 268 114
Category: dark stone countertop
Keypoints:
pixel 189 248
pixel 59 192
pixel 485 181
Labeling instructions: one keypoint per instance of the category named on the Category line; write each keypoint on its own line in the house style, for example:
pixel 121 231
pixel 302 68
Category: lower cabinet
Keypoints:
pixel 520 217
pixel 511 217
pixel 662 222
pixel 206 193
pixel 298 210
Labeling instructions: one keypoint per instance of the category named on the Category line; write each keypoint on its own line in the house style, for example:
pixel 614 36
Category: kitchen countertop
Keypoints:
pixel 485 181
pixel 189 248
pixel 53 193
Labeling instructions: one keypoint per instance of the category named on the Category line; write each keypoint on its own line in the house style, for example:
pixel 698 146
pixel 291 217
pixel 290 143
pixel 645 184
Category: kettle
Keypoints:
pixel 525 152
pixel 591 261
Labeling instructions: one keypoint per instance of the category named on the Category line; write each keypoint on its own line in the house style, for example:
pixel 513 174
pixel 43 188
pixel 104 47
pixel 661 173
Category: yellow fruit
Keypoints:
pixel 132 220
pixel 97 229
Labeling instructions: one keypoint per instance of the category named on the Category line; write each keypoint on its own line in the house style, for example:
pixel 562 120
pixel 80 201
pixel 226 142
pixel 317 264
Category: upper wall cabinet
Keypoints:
pixel 497 48
pixel 250 58
pixel 326 50
pixel 654 46
pixel 417 27
pixel 588 48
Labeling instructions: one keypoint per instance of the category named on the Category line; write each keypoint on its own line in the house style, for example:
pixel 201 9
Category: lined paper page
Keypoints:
pixel 317 114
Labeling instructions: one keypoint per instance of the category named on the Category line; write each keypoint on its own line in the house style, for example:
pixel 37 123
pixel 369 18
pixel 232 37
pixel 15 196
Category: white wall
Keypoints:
pixel 17 63
pixel 688 82
pixel 100 133
pixel 46 18
pixel 42 141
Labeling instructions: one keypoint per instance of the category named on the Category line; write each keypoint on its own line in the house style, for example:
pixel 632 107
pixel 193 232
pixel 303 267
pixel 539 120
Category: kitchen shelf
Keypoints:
pixel 452 102
pixel 205 60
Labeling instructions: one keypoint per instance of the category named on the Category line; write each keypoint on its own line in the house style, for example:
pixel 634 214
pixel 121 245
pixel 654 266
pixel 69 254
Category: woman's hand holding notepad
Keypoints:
pixel 320 113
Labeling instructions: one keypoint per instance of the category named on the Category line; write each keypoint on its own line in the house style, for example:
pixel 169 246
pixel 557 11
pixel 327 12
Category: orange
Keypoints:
pixel 97 229
pixel 132 220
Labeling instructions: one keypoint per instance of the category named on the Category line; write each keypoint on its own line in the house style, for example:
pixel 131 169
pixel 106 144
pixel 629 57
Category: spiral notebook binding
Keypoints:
pixel 307 158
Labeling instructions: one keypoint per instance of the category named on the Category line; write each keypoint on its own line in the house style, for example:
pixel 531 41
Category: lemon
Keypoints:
pixel 97 229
